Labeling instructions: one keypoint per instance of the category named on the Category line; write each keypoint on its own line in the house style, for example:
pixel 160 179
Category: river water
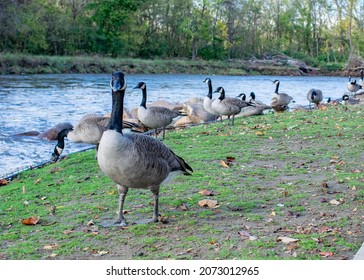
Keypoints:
pixel 38 102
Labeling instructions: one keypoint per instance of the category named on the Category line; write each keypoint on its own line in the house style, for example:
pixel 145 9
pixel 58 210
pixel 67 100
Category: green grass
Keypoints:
pixel 273 188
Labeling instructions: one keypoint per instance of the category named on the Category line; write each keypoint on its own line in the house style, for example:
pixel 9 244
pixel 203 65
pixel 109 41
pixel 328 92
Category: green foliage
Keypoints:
pixel 208 29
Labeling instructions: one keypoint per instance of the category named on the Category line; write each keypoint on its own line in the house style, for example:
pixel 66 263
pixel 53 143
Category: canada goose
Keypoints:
pixel 258 103
pixel 280 101
pixel 314 96
pixel 258 107
pixel 346 100
pixel 88 130
pixel 135 160
pixel 352 86
pixel 154 117
pixel 207 101
pixel 242 96
pixel 228 106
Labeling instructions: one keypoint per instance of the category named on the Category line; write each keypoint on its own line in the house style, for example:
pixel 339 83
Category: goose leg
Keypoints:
pixel 155 191
pixel 164 133
pixel 97 149
pixel 122 194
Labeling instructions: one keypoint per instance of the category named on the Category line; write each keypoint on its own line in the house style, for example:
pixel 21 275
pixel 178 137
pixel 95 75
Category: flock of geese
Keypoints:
pixel 136 160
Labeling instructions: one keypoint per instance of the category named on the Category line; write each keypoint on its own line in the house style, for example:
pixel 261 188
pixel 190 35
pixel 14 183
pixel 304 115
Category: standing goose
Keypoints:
pixel 135 160
pixel 154 117
pixel 352 86
pixel 314 96
pixel 227 106
pixel 207 101
pixel 280 101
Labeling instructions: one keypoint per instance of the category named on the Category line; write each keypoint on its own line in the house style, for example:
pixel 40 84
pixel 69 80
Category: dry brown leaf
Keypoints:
pixel 51 247
pixel 68 231
pixel 208 203
pixel 326 254
pixel 3 182
pixel 100 253
pixel 287 240
pixel 183 206
pixel 206 192
pixel 30 221
pixel 224 164
pixel 334 202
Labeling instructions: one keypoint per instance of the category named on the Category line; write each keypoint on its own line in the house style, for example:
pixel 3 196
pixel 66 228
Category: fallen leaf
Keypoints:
pixel 253 238
pixel 30 221
pixel 334 202
pixel 224 164
pixel 51 247
pixel 208 202
pixel 183 206
pixel 324 229
pixel 163 219
pixel 100 253
pixel 244 233
pixel 90 223
pixel 326 254
pixel 3 182
pixel 287 240
pixel 259 133
pixel 68 231
pixel 206 192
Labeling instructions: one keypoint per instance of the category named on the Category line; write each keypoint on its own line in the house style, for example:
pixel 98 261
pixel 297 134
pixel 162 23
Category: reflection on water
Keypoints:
pixel 38 102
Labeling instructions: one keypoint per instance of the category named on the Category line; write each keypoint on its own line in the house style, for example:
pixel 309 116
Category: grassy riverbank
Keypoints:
pixel 28 64
pixel 285 186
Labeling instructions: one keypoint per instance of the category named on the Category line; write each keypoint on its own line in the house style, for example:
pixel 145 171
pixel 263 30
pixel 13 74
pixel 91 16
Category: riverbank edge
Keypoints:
pixel 15 64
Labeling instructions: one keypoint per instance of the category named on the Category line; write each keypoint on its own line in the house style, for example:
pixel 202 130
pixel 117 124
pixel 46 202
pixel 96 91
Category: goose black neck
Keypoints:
pixel 61 135
pixel 222 95
pixel 277 87
pixel 209 94
pixel 116 118
pixel 144 99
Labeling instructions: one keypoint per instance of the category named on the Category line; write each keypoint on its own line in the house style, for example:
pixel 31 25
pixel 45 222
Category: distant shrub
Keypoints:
pixel 332 66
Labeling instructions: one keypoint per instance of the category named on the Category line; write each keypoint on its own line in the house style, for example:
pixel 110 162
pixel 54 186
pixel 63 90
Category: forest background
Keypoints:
pixel 322 33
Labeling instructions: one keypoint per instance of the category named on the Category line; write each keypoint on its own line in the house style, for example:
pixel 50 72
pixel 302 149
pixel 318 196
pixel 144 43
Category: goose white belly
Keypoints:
pixel 127 165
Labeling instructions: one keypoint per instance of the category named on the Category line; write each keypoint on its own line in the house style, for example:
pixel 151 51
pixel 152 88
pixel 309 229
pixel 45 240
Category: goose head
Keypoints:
pixel 141 85
pixel 207 81
pixel 222 92
pixel 242 96
pixel 252 95
pixel 117 82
